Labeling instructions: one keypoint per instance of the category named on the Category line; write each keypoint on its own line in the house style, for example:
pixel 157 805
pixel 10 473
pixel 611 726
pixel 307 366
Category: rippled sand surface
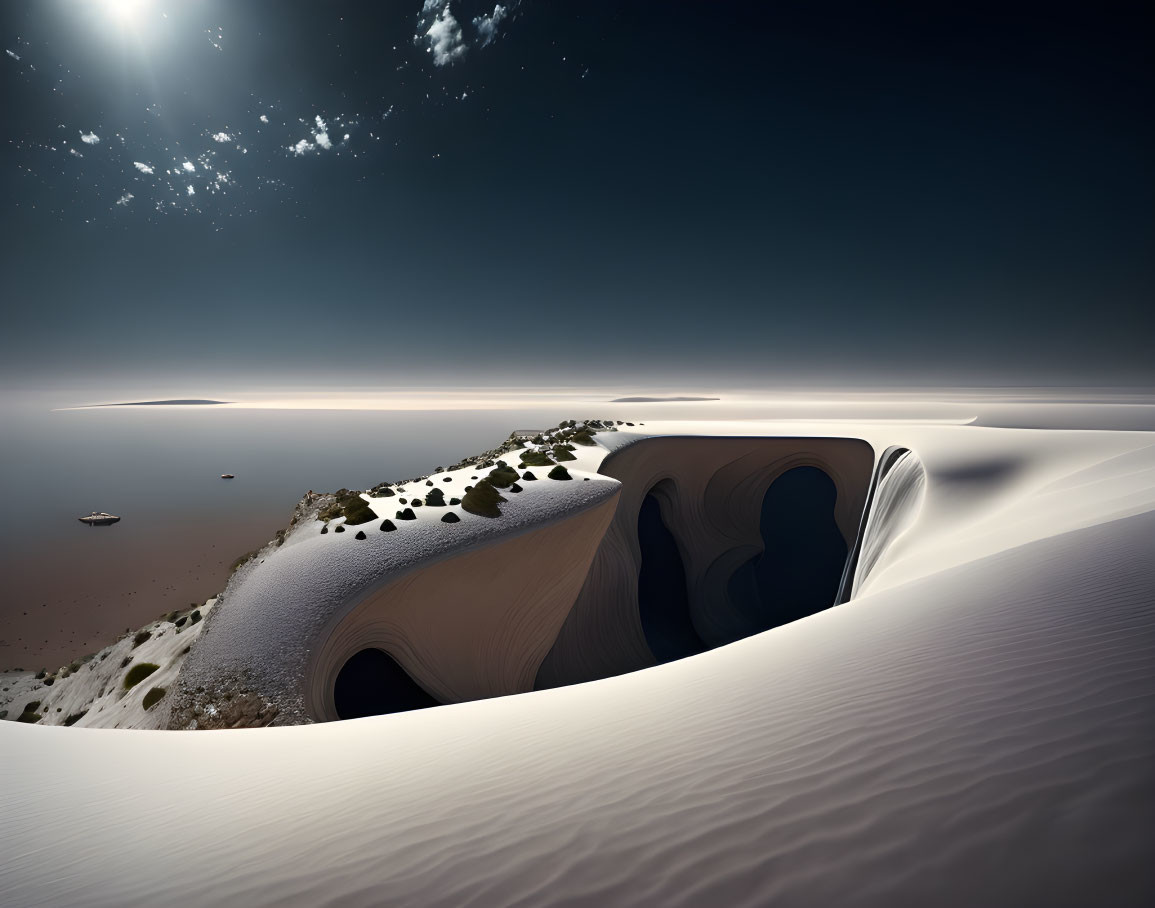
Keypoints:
pixel 981 736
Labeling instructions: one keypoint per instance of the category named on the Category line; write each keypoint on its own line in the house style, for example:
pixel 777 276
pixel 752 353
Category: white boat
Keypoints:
pixel 99 519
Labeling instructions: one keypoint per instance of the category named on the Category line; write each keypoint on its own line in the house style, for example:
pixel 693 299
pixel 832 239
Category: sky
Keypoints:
pixel 532 193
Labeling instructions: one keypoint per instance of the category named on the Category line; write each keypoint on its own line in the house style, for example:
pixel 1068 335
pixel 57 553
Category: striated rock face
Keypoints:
pixel 710 491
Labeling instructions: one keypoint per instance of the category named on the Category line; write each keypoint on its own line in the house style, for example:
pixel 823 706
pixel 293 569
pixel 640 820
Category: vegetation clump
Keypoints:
pixel 559 472
pixel 483 500
pixel 435 498
pixel 536 459
pixel 30 714
pixel 360 535
pixel 502 476
pixel 340 528
pixel 450 518
pixel 527 476
pixel 560 453
pixel 73 718
pixel 515 488
pixel 349 505
pixel 407 514
pixel 324 530
pixel 138 673
pixel 195 616
pixel 140 638
pixel 388 526
pixel 583 437
pixel 455 501
pixel 152 697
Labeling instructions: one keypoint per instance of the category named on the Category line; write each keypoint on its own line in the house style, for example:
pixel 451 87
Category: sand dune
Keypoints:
pixel 976 726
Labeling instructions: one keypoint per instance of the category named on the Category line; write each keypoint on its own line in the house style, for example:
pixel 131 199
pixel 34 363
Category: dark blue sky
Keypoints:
pixel 659 192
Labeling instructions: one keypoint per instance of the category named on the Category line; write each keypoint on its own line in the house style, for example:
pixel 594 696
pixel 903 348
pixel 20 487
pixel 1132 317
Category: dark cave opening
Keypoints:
pixel 799 571
pixel 663 602
pixel 372 683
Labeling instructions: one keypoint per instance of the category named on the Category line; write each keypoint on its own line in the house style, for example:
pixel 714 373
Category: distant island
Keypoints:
pixel 657 400
pixel 160 403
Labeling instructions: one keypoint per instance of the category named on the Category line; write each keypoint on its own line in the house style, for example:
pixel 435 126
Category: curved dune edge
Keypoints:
pixel 472 625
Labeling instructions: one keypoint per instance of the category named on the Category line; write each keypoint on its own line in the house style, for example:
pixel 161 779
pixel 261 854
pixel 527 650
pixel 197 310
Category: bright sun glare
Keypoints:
pixel 124 11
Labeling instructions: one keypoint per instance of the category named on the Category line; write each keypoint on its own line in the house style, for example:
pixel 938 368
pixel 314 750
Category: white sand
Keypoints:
pixel 976 727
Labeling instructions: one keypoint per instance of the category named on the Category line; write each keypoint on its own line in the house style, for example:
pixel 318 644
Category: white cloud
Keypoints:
pixel 323 140
pixel 302 147
pixel 190 189
pixel 125 199
pixel 321 124
pixel 75 153
pixel 487 25
pixel 189 167
pixel 143 168
pixel 89 138
pixel 444 36
pixel 222 137
pixel 14 56
pixel 264 119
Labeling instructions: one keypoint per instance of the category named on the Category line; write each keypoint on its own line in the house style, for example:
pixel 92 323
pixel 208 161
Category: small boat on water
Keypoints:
pixel 99 519
pixel 227 476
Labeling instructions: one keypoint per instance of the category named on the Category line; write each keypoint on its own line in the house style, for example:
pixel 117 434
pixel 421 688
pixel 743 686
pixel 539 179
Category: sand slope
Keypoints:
pixel 977 727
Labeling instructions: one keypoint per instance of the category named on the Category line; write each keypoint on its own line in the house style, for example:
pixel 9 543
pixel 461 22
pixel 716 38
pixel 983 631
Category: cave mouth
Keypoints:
pixel 801 566
pixel 372 683
pixel 663 601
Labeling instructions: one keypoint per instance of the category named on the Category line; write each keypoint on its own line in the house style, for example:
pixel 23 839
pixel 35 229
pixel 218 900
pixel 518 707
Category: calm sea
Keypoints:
pixel 67 589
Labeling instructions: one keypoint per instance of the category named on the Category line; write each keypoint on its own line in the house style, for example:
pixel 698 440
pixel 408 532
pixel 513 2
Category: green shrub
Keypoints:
pixel 407 514
pixel 388 526
pixel 560 453
pixel 349 505
pixel 450 518
pixel 536 459
pixel 502 476
pixel 416 503
pixel 583 437
pixel 152 697
pixel 527 476
pixel 384 492
pixel 483 500
pixel 435 498
pixel 138 673
pixel 140 638
pixel 559 473
pixel 455 501
pixel 30 714
pixel 76 717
